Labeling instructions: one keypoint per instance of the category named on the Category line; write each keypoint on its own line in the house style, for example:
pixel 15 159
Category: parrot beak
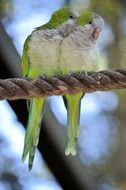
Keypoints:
pixel 96 33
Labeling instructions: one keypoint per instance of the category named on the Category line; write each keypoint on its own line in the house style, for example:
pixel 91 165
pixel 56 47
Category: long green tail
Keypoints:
pixel 72 103
pixel 33 129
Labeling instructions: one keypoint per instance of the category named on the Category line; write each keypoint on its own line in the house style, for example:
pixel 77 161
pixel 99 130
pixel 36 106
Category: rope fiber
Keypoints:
pixel 26 88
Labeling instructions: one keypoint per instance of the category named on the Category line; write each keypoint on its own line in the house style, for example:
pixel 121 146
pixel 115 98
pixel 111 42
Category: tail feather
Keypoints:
pixel 72 103
pixel 33 129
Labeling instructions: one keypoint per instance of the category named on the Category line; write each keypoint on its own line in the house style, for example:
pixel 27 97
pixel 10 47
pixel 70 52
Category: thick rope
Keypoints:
pixel 25 88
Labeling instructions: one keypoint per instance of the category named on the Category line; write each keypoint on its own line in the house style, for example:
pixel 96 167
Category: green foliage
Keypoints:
pixel 6 7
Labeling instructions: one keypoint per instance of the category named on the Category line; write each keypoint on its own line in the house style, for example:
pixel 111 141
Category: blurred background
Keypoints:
pixel 100 163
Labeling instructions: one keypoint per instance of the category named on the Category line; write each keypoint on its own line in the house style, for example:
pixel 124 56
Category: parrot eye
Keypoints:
pixel 71 16
pixel 90 22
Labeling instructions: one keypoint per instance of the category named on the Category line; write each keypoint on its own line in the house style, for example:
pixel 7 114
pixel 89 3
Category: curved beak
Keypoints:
pixel 95 33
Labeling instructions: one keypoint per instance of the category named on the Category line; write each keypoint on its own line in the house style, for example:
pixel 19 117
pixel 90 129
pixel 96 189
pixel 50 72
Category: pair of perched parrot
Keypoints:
pixel 67 43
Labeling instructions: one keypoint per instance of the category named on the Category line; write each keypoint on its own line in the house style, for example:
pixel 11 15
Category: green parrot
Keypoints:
pixel 67 43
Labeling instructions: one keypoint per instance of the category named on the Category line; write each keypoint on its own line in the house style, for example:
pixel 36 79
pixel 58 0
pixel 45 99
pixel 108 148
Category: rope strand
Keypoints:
pixel 26 88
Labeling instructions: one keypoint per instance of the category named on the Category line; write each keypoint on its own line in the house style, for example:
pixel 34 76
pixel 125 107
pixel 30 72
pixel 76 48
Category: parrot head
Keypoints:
pixel 91 21
pixel 68 18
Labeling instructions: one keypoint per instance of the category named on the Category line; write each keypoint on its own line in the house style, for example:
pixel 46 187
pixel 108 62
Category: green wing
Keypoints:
pixel 26 58
pixel 26 62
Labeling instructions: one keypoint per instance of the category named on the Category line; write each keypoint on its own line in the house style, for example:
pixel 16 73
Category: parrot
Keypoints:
pixel 65 44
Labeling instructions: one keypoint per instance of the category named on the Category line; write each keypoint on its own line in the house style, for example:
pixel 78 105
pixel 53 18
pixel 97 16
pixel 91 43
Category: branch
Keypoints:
pixel 25 88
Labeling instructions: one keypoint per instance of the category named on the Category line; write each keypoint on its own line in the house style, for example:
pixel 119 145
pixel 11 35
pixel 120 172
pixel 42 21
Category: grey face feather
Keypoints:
pixel 68 27
pixel 97 21
pixel 74 14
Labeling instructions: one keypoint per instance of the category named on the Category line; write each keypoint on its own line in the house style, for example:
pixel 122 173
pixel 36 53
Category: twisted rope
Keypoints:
pixel 25 88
